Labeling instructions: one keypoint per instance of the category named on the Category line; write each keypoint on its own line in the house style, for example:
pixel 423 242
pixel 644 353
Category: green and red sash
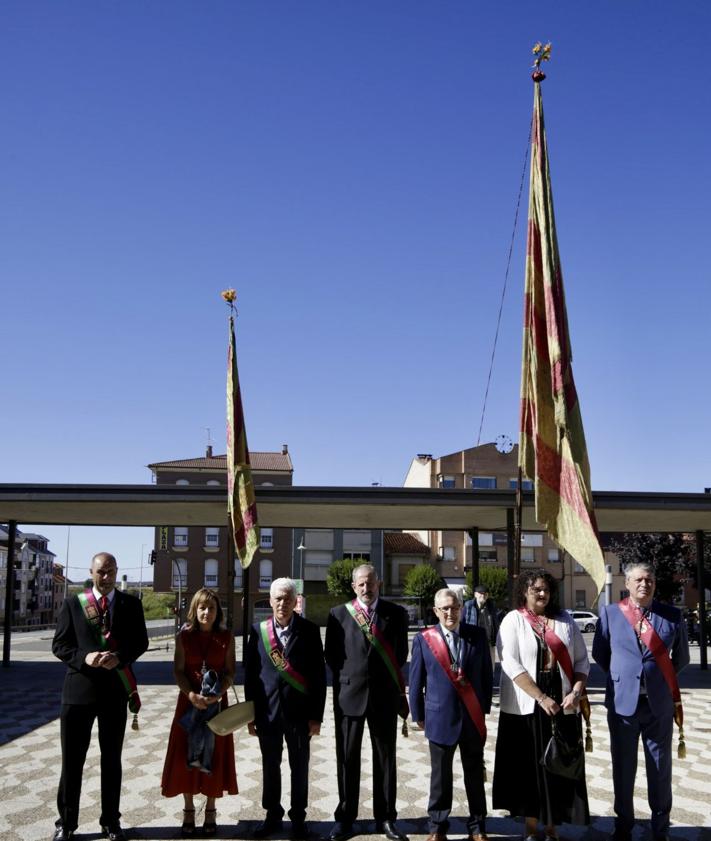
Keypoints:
pixel 377 639
pixel 554 642
pixel 465 691
pixel 646 634
pixel 92 614
pixel 276 657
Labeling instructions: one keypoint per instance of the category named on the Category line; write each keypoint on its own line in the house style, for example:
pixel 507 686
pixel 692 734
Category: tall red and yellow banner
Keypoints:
pixel 552 450
pixel 241 502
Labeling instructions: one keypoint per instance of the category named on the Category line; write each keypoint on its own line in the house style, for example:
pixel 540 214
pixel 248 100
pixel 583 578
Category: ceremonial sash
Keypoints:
pixel 276 657
pixel 376 637
pixel 555 643
pixel 652 640
pixel 92 614
pixel 464 689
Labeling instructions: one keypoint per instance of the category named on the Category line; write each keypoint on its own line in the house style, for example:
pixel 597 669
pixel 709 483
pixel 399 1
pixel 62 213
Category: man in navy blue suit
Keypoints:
pixel 285 677
pixel 641 644
pixel 450 693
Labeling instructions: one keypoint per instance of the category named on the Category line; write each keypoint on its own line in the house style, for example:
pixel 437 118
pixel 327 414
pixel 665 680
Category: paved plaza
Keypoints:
pixel 30 763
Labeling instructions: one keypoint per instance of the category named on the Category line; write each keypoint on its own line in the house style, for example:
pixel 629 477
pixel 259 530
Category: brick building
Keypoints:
pixel 191 557
pixel 33 603
pixel 494 467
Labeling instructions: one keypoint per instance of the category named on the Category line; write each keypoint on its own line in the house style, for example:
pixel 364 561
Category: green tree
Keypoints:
pixel 340 576
pixel 421 583
pixel 496 579
pixel 672 556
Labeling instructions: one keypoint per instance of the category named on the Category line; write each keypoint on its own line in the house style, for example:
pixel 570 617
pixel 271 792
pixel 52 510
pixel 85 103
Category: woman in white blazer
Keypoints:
pixel 538 684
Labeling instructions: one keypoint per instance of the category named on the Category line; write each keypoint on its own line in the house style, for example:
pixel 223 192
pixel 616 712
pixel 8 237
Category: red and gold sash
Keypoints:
pixel 276 657
pixel 377 639
pixel 465 691
pixel 93 615
pixel 554 642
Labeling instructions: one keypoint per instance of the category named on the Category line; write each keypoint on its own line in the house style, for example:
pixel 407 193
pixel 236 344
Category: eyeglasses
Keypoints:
pixel 450 608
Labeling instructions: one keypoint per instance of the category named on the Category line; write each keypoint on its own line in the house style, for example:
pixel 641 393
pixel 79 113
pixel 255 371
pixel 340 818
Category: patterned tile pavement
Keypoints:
pixel 30 757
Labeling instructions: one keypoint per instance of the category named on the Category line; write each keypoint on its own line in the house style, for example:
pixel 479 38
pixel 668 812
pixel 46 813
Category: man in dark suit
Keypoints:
pixel 451 682
pixel 99 634
pixel 641 644
pixel 366 647
pixel 285 677
pixel 481 610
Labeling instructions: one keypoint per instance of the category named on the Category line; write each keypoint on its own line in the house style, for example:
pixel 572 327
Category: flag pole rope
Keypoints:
pixel 506 278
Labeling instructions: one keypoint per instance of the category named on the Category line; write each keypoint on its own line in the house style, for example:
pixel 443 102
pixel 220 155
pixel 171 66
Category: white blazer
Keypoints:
pixel 518 650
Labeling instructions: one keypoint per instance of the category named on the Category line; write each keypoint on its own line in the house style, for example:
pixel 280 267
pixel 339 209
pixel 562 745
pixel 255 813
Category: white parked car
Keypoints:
pixel 584 619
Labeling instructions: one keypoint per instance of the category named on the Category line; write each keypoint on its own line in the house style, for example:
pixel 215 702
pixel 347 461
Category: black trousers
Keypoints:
pixel 76 722
pixel 442 777
pixel 272 736
pixel 382 726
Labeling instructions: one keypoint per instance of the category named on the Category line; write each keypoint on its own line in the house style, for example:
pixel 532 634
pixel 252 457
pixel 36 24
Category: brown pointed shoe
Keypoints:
pixel 478 836
pixel 437 836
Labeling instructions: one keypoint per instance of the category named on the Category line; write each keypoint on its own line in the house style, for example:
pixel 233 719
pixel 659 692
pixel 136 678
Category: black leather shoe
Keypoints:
pixel 389 830
pixel 300 830
pixel 62 834
pixel 341 832
pixel 113 833
pixel 267 827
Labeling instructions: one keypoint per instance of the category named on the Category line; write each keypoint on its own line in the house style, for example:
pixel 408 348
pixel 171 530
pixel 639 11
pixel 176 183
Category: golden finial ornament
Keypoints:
pixel 542 52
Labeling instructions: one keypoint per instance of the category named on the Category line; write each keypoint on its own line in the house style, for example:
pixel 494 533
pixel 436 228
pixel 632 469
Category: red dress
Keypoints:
pixel 210 648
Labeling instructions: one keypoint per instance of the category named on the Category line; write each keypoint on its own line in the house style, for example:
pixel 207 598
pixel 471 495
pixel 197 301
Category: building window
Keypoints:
pixel 526 484
pixel 318 538
pixel 532 539
pixel 180 573
pixel 579 568
pixel 484 483
pixel 357 556
pixel 211 572
pixel 446 481
pixel 488 556
pixel 554 556
pixel 316 564
pixel 527 555
pixel 580 598
pixel 212 536
pixel 265 574
pixel 239 578
pixel 180 536
pixel 448 553
pixel 266 538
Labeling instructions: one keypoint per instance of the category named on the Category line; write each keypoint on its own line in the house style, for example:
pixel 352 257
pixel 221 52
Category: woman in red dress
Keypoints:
pixel 202 645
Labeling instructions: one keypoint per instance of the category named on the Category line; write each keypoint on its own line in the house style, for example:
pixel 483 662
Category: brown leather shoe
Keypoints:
pixel 478 836
pixel 437 836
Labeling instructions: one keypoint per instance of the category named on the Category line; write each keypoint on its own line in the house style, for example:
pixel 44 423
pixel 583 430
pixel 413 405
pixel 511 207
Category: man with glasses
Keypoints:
pixel 450 693
pixel 641 644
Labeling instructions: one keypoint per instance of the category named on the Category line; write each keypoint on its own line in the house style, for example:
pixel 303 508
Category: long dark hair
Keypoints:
pixel 527 579
pixel 205 594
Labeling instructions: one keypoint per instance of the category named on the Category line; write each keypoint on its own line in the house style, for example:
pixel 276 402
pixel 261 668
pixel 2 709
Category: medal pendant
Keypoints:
pixel 461 680
pixel 454 668
pixel 203 670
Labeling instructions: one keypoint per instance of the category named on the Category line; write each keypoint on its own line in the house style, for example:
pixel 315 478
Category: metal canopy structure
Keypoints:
pixel 336 507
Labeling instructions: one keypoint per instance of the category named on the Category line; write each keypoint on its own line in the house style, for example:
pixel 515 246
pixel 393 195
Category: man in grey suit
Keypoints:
pixel 641 644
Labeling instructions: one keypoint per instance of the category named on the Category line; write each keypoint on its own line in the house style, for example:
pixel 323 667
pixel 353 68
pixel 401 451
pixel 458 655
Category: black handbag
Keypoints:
pixel 564 758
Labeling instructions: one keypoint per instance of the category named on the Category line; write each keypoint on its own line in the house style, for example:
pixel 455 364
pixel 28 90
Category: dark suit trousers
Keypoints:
pixel 271 741
pixel 382 726
pixel 441 780
pixel 76 722
pixel 657 736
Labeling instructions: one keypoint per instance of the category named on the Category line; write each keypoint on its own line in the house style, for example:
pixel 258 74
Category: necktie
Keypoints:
pixel 105 615
pixel 453 643
pixel 104 604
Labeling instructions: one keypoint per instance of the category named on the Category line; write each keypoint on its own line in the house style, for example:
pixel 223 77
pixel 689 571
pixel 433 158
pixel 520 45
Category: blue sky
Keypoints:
pixel 352 169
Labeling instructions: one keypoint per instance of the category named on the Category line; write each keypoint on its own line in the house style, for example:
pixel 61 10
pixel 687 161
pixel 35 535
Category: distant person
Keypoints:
pixel 366 648
pixel 199 762
pixel 481 611
pixel 285 677
pixel 544 669
pixel 99 634
pixel 450 693
pixel 641 644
